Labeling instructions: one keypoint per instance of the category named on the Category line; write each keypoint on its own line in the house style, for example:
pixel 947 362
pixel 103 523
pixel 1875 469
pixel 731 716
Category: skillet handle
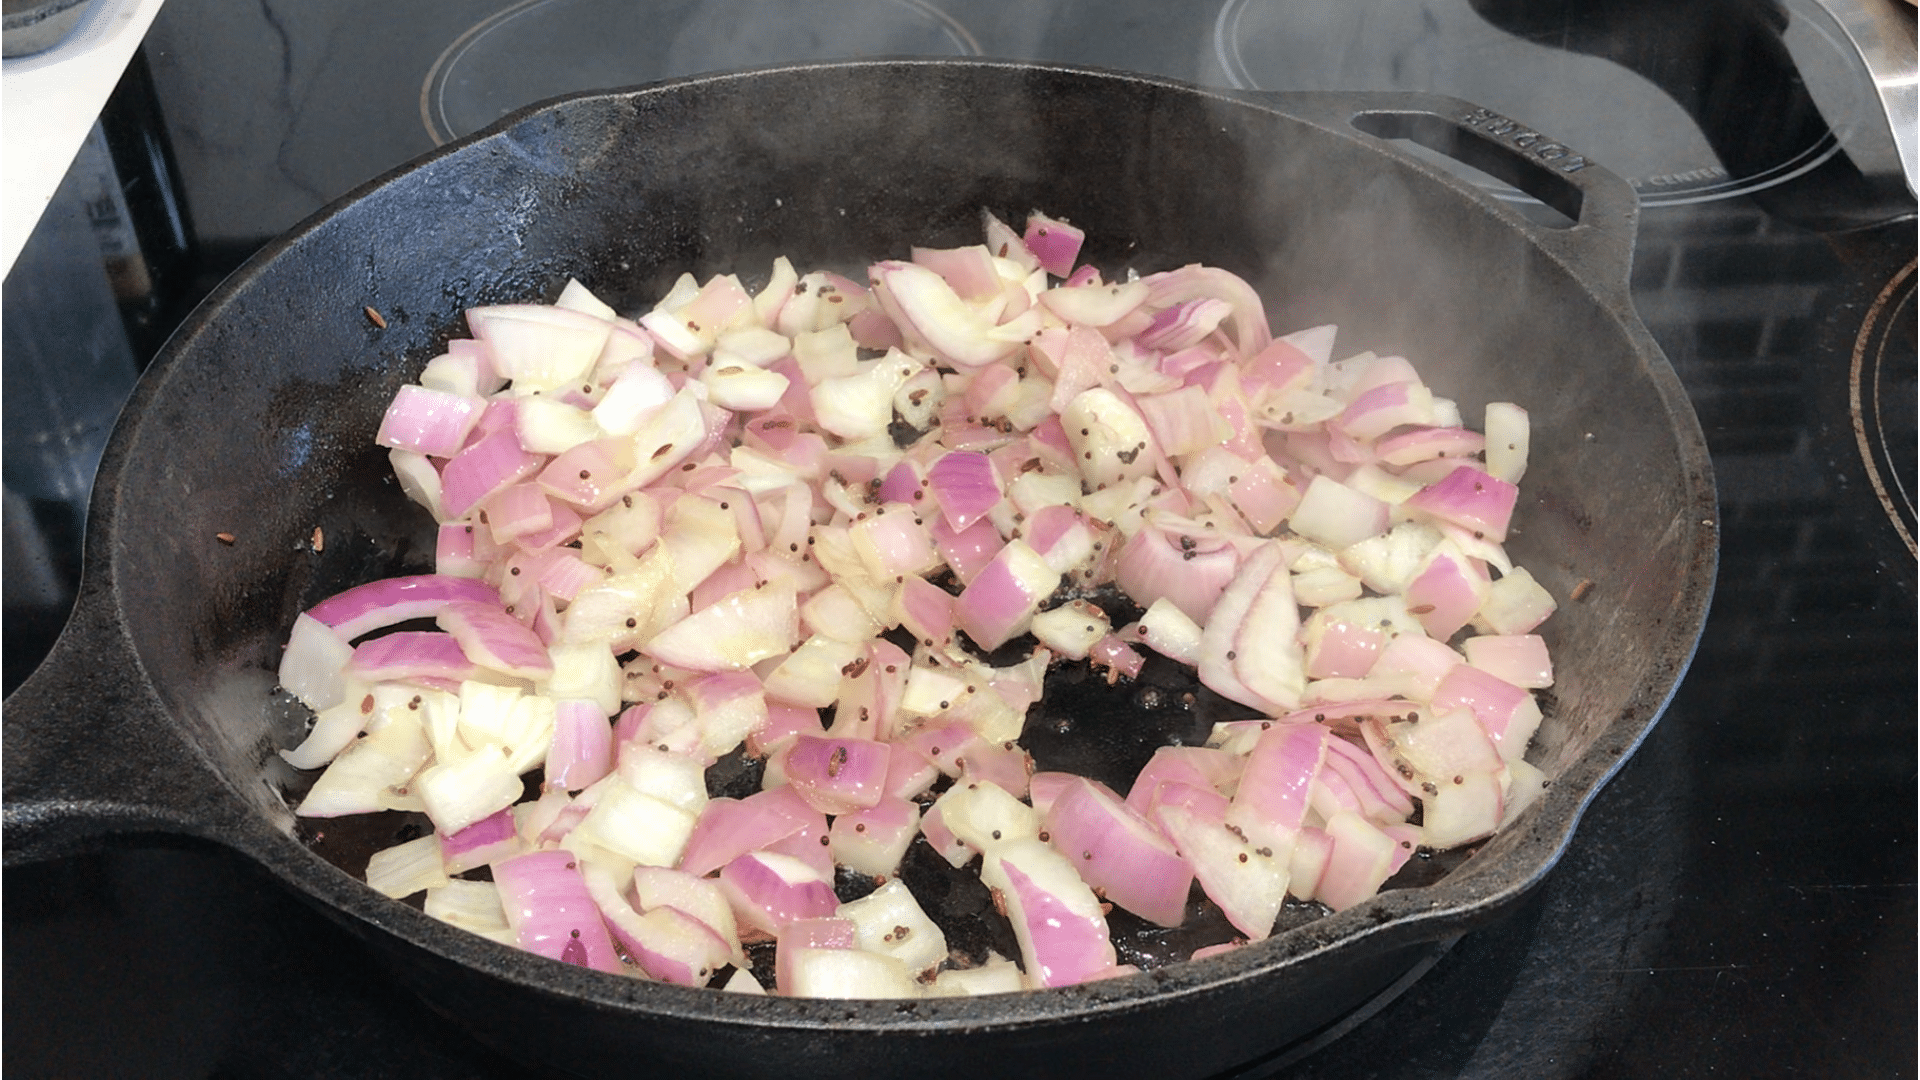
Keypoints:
pixel 1603 208
pixel 89 751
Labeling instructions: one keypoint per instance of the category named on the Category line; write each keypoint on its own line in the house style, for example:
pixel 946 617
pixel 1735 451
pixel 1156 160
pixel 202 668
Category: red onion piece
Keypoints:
pixel 1201 766
pixel 769 890
pixel 1386 800
pixel 1054 243
pixel 1001 599
pixel 1119 853
pixel 1411 666
pixel 968 269
pixel 783 722
pixel 1116 656
pixel 729 828
pixel 1426 443
pixel 487 840
pixel 369 607
pixel 428 421
pixel 494 638
pixel 518 510
pixel 1360 861
pixel 1185 324
pixel 1520 659
pixel 582 750
pixel 1275 784
pixel 965 487
pixel 910 776
pixel 550 911
pixel 1280 368
pixel 1344 650
pixel 926 610
pixel 1188 571
pixel 1005 766
pixel 933 826
pixel 1446 591
pixel 836 776
pixel 1055 916
pixel 483 468
pixel 407 654
pixel 966 552
pixel 902 483
pixel 1501 707
pixel 810 844
pixel 1249 318
pixel 1470 499
pixel 1405 839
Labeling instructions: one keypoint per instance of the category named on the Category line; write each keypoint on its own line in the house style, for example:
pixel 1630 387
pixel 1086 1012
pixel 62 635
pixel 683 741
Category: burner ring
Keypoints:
pixel 1878 360
pixel 482 74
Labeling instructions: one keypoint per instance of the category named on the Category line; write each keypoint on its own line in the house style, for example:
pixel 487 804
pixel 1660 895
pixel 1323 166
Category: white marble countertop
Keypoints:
pixel 49 100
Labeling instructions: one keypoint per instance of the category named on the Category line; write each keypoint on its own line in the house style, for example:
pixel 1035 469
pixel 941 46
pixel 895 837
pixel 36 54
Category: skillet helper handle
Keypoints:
pixel 89 751
pixel 1601 206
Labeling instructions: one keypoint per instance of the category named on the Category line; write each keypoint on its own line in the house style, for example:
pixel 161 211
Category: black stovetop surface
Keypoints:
pixel 1738 901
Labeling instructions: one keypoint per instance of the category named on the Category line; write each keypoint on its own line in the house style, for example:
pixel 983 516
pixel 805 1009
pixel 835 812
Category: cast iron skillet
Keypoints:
pixel 156 711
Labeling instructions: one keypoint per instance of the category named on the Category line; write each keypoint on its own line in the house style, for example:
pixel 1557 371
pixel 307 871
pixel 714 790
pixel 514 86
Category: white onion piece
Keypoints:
pixel 1266 654
pixel 473 906
pixel 1112 441
pixel 1218 637
pixel 645 830
pixel 408 868
pixel 890 922
pixel 732 635
pixel 1515 604
pixel 1248 885
pixel 1508 439
pixel 848 973
pixel 357 778
pixel 313 667
pixel 998 976
pixel 874 840
pixel 701 898
pixel 1071 629
pixel 459 793
pixel 539 347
